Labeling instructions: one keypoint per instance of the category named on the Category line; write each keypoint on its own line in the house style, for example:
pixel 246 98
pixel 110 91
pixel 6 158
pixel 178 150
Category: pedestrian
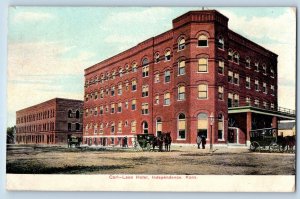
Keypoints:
pixel 198 140
pixel 203 141
pixel 125 142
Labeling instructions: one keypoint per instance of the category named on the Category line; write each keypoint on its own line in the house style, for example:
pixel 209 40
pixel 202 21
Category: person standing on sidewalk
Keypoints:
pixel 198 140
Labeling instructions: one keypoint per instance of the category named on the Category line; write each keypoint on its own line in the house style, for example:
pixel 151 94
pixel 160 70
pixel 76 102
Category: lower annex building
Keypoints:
pixel 50 122
pixel 199 78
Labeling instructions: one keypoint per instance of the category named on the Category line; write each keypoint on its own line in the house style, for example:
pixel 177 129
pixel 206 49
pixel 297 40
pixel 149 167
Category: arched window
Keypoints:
pixel 202 41
pixel 168 55
pixel 156 57
pixel 70 114
pixel 220 127
pixel 230 55
pixel 112 130
pixel 220 42
pixel 121 72
pixel 236 57
pixel 77 126
pixel 202 124
pixel 181 43
pixel 248 62
pixel 158 126
pixel 145 62
pixel 77 114
pixel 145 127
pixel 134 67
pixel 181 125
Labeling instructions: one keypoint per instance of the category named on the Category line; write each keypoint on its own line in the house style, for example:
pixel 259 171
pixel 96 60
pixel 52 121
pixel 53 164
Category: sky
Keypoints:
pixel 49 47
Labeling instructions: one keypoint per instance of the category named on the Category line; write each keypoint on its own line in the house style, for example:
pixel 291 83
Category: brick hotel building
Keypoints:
pixel 199 78
pixel 49 122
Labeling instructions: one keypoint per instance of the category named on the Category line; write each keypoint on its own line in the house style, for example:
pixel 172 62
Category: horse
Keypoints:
pixel 167 140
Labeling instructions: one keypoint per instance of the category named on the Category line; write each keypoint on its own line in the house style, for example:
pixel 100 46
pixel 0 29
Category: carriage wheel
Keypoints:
pixel 273 147
pixel 283 148
pixel 254 146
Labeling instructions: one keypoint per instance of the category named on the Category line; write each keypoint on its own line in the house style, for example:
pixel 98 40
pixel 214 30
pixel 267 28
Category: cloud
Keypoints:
pixel 32 16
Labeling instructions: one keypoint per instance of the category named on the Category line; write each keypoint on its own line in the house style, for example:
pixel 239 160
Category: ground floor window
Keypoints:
pixel 220 127
pixel 202 124
pixel 181 126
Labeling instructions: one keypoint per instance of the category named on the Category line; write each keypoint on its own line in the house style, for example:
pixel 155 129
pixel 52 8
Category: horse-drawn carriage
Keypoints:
pixel 268 139
pixel 148 141
pixel 74 140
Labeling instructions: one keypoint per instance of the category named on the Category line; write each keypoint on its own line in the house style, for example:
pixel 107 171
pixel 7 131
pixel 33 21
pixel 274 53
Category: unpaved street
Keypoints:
pixel 183 161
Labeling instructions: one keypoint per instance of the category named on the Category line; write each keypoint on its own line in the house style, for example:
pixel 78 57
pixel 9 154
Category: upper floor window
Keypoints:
pixel 272 90
pixel 230 76
pixel 168 55
pixel 134 67
pixel 230 55
pixel 145 91
pixel 248 62
pixel 120 107
pixel 236 58
pixel 121 72
pixel 256 85
pixel 133 104
pixel 77 114
pixel 221 67
pixel 127 69
pixel 181 68
pixel 256 102
pixel 272 71
pixel 220 43
pixel 247 82
pixel 113 74
pixel 256 64
pixel 156 57
pixel 145 71
pixel 181 43
pixel 120 127
pixel 156 78
pixel 101 93
pixel 264 89
pixel 156 99
pixel 230 100
pixel 69 114
pixel 181 92
pixel 264 67
pixel 220 92
pixel 120 89
pixel 202 91
pixel 248 101
pixel 236 78
pixel 112 128
pixel 133 126
pixel 145 108
pixel 236 100
pixel 145 62
pixel 202 41
pixel 133 85
pixel 167 76
pixel 202 65
pixel 167 98
pixel 112 91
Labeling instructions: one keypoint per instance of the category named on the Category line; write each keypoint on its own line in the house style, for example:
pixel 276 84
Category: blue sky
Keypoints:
pixel 49 47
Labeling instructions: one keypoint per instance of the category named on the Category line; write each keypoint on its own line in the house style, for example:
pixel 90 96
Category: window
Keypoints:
pixel 145 62
pixel 236 78
pixel 230 55
pixel 202 91
pixel 156 58
pixel 86 112
pixel 167 99
pixel 220 43
pixel 220 92
pixel 264 69
pixel 95 128
pixel 202 65
pixel 101 128
pixel 70 114
pixel 145 127
pixel 156 78
pixel 96 95
pixel 133 85
pixel 134 67
pixel 272 106
pixel 230 100
pixel 181 68
pixel 265 104
pixel 181 43
pixel 121 72
pixel 272 90
pixel 112 91
pixel 69 126
pixel 120 89
pixel 145 91
pixel 96 111
pixel 181 125
pixel 202 41
pixel 248 82
pixel 133 104
pixel 127 69
pixel 112 108
pixel 248 63
pixel 126 85
pixel 221 67
pixel 264 89
pixel 112 130
pixel 220 127
pixel 87 97
pixel 133 126
pixel 236 58
pixel 126 104
pixel 256 64
pixel 272 72
pixel 158 126
pixel 120 127
pixel 236 100
pixel 256 102
pixel 145 108
pixel 145 71
pixel 106 108
pixel 168 55
pixel 230 77
pixel 167 76
pixel 256 85
pixel 77 114
pixel 202 124
pixel 113 74
pixel 101 93
pixel 119 107
pixel 248 101
pixel 181 92
pixel 101 110
pixel 156 99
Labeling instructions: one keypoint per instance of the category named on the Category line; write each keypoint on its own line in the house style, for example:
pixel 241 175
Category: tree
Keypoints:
pixel 10 134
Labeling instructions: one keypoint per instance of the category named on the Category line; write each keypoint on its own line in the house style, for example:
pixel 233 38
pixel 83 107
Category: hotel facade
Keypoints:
pixel 50 122
pixel 199 78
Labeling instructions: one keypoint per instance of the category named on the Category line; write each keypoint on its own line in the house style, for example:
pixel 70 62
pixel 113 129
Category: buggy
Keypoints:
pixel 145 141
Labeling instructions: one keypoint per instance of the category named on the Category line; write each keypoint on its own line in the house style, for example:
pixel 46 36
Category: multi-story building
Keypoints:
pixel 50 122
pixel 199 78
